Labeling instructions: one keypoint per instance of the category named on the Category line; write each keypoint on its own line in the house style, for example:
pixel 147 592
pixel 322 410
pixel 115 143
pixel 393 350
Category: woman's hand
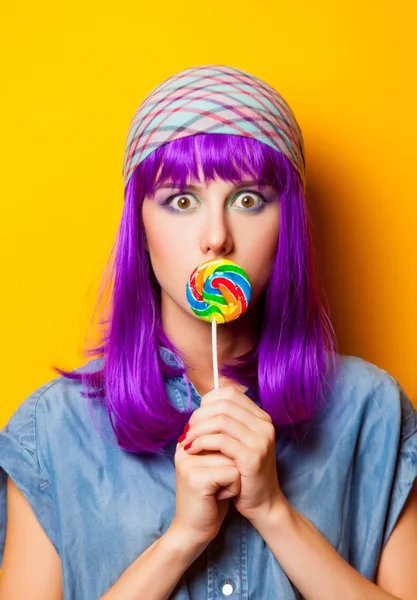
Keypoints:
pixel 200 509
pixel 229 422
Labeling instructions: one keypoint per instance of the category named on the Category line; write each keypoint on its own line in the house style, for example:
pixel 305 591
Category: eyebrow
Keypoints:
pixel 259 182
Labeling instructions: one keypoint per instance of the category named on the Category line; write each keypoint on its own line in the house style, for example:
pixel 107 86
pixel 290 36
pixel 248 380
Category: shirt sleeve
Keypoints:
pixel 383 466
pixel 406 463
pixel 19 459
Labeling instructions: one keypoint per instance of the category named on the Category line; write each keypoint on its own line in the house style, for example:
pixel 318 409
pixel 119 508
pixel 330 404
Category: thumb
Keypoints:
pixel 229 491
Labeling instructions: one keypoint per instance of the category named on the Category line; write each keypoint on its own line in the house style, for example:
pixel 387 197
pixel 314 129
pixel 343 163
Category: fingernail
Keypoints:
pixel 187 446
pixel 181 438
pixel 186 428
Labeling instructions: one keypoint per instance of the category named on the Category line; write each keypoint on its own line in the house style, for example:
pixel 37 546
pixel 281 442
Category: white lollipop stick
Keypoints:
pixel 237 292
pixel 214 351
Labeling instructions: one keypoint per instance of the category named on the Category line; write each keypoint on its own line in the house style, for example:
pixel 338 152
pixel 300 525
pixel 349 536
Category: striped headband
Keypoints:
pixel 213 99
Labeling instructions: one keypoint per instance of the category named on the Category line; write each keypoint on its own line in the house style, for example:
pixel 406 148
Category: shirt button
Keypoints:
pixel 227 589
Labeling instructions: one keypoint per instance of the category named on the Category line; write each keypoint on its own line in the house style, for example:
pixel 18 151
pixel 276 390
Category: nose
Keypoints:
pixel 216 237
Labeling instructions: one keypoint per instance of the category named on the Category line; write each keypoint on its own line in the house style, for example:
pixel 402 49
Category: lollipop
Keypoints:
pixel 218 291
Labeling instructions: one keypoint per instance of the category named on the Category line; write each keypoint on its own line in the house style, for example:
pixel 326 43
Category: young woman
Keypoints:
pixel 292 480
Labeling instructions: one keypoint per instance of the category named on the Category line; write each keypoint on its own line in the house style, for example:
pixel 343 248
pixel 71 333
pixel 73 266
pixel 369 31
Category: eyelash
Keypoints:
pixel 256 209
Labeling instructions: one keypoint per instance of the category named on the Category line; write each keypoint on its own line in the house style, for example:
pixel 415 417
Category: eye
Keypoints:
pixel 248 200
pixel 182 202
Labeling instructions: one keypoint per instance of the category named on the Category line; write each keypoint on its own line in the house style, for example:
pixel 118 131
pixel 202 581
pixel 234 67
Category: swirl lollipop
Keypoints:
pixel 218 291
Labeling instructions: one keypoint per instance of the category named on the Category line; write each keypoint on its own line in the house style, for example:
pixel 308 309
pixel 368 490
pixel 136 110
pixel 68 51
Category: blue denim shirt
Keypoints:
pixel 101 507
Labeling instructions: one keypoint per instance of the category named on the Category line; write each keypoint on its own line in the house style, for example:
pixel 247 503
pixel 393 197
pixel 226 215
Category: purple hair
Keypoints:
pixel 295 358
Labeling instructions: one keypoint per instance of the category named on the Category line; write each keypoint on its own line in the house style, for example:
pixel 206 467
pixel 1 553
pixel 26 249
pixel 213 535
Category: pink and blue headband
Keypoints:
pixel 213 99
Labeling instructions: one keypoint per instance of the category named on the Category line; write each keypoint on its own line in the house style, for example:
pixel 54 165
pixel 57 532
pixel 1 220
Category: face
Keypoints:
pixel 239 222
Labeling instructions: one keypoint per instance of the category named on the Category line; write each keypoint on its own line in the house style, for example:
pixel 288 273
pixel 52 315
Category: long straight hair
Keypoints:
pixel 292 366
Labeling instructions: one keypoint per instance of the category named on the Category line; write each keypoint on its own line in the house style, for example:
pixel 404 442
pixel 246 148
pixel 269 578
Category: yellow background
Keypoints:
pixel 72 78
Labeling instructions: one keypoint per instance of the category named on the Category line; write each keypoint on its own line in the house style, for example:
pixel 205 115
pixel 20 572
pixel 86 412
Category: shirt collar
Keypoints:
pixel 180 383
pixel 170 358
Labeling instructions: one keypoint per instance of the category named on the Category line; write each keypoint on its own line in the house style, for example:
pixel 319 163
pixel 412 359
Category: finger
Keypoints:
pixel 221 443
pixel 231 393
pixel 210 480
pixel 210 459
pixel 225 425
pixel 229 408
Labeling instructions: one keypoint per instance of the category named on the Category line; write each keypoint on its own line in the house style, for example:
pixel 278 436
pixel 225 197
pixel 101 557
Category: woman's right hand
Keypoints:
pixel 201 505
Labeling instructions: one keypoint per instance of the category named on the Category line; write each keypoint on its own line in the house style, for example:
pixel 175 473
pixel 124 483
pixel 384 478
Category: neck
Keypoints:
pixel 192 337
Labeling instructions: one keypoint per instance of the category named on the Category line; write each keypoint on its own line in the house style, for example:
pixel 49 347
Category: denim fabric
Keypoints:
pixel 101 507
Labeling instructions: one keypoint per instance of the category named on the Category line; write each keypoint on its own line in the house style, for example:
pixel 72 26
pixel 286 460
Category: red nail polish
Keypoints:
pixel 181 438
pixel 186 428
pixel 187 446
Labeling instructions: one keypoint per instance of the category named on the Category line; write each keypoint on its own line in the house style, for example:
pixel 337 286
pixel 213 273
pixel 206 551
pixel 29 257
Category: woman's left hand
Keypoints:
pixel 229 422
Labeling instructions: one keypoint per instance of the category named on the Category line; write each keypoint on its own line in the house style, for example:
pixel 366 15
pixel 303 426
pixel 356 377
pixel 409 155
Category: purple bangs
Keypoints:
pixel 220 156
pixel 292 367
